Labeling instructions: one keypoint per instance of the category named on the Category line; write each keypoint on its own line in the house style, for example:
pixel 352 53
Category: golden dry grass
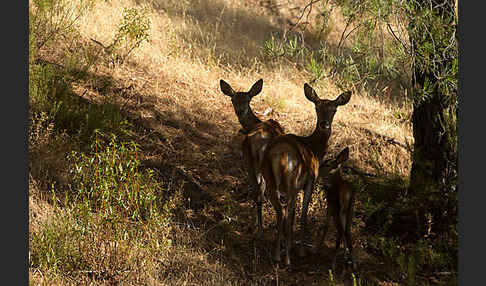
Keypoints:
pixel 192 45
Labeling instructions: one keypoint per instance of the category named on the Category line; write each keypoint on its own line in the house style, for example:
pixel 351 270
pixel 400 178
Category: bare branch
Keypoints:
pixel 344 31
pixel 360 24
pixel 396 38
pixel 309 5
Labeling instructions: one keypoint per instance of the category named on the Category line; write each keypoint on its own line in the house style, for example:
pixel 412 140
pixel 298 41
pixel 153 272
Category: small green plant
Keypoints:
pixel 315 68
pixel 132 32
pixel 331 278
pixel 356 281
pixel 285 46
pixel 109 180
pixel 273 48
pixel 294 48
pixel 400 261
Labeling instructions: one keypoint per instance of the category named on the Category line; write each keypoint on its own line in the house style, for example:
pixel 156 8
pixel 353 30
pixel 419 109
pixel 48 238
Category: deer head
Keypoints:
pixel 331 166
pixel 325 110
pixel 241 103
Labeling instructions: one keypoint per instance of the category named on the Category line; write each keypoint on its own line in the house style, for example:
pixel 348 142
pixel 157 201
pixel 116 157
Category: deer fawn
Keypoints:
pixel 340 201
pixel 257 136
pixel 291 163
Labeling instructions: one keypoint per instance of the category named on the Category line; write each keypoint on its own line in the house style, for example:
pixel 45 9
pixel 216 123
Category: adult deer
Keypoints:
pixel 257 135
pixel 340 202
pixel 291 164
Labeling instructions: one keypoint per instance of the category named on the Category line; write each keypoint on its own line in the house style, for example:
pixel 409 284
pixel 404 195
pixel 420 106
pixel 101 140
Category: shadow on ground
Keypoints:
pixel 241 40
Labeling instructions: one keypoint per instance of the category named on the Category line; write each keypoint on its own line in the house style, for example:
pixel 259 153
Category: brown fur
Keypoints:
pixel 257 136
pixel 291 164
pixel 253 147
pixel 340 200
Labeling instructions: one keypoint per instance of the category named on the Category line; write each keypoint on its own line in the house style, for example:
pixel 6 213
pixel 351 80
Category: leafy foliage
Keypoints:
pixel 132 32
pixel 109 181
pixel 433 34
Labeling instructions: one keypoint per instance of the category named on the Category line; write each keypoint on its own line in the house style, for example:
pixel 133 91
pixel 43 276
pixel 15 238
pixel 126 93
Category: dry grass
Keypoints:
pixel 192 45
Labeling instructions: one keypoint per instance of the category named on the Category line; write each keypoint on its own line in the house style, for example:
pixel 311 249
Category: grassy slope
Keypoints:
pixel 176 78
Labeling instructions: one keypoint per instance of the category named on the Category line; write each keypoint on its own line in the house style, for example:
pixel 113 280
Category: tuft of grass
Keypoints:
pixel 51 19
pixel 89 246
pixel 52 248
pixel 109 181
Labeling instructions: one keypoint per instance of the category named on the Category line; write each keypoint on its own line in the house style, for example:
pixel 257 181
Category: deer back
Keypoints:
pixel 257 139
pixel 289 163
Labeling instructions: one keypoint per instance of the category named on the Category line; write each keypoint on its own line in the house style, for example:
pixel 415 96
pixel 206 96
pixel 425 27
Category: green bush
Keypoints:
pixel 132 32
pixel 109 181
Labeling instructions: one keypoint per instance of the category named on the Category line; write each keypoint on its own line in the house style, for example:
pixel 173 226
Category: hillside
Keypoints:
pixel 193 222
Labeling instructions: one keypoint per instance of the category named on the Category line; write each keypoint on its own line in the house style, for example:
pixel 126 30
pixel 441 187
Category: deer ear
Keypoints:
pixel 343 98
pixel 226 88
pixel 256 88
pixel 310 94
pixel 343 155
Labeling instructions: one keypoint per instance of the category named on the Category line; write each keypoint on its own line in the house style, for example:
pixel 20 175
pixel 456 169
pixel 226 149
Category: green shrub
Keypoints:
pixel 315 68
pixel 109 180
pixel 132 32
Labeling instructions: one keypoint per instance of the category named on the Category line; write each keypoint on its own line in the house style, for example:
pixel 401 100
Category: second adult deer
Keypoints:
pixel 291 164
pixel 340 202
pixel 257 135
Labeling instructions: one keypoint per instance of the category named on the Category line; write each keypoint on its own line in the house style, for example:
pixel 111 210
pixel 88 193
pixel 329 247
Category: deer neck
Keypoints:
pixel 318 142
pixel 248 119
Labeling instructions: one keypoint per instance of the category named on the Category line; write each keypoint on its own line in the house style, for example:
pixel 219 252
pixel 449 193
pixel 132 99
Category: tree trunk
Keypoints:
pixel 434 160
pixel 433 178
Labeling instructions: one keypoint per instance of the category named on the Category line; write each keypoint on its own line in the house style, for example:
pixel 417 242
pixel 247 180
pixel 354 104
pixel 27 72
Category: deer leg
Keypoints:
pixel 349 246
pixel 289 216
pixel 303 221
pixel 249 168
pixel 344 231
pixel 327 217
pixel 259 203
pixel 292 219
pixel 276 254
pixel 339 235
pixel 349 219
pixel 260 189
pixel 255 189
pixel 287 236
